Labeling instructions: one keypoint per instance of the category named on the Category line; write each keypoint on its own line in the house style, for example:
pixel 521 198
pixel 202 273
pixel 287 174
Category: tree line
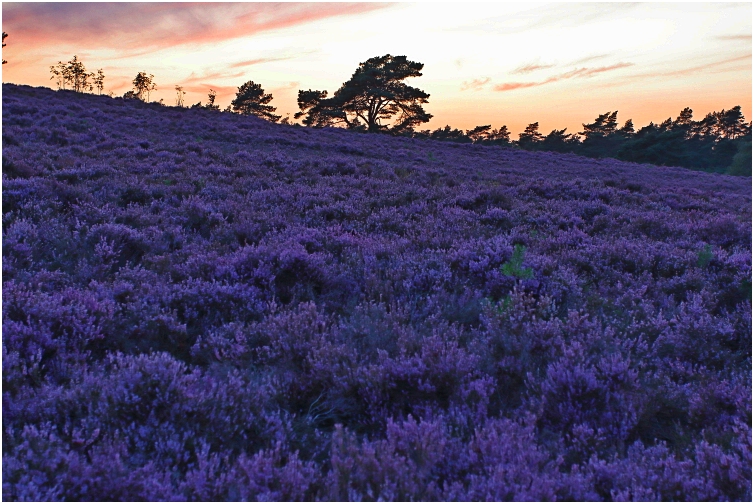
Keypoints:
pixel 377 100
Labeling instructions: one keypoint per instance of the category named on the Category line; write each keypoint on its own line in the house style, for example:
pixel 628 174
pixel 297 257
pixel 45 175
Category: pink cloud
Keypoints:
pixel 257 61
pixel 476 84
pixel 152 26
pixel 576 73
pixel 510 86
pixel 202 79
pixel 531 68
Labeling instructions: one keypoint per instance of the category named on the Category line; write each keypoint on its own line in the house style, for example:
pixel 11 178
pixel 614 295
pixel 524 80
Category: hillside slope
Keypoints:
pixel 204 306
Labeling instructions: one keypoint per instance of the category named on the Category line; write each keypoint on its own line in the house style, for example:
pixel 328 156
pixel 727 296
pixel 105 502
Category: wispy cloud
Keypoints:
pixel 555 15
pixel 744 38
pixel 510 86
pixel 193 79
pixel 532 67
pixel 223 92
pixel 587 59
pixel 290 85
pixel 155 26
pixel 714 65
pixel 257 61
pixel 576 73
pixel 476 84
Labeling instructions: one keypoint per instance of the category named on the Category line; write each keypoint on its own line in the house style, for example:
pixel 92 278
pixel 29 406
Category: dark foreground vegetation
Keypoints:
pixel 204 306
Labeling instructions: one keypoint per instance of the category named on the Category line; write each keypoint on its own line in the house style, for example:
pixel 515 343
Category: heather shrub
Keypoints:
pixel 202 306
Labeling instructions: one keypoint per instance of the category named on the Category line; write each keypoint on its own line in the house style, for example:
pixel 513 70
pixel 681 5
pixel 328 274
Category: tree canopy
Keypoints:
pixel 316 116
pixel 143 85
pixel 252 100
pixel 530 135
pixel 374 93
pixel 74 75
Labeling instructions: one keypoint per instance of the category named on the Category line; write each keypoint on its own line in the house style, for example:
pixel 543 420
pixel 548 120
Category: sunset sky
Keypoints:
pixel 561 64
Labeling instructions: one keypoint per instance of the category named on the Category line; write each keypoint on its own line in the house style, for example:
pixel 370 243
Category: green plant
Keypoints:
pixel 704 257
pixel 513 267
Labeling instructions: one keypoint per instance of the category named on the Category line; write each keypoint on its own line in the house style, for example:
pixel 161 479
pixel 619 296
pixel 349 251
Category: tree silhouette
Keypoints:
pixel 732 123
pixel 251 100
pixel 531 135
pixel 74 74
pixel 211 100
pixel 60 74
pixel 605 125
pixel 447 134
pixel 143 85
pixel 628 128
pixel 99 81
pixel 684 119
pixel 79 77
pixel 4 44
pixel 308 103
pixel 478 134
pixel 559 141
pixel 375 92
pixel 500 136
pixel 180 93
pixel 485 135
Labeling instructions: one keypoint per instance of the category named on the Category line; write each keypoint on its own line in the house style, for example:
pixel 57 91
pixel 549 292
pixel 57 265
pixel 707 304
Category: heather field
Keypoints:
pixel 204 306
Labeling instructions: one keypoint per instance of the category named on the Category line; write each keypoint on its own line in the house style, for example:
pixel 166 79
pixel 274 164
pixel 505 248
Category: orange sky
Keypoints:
pixel 560 64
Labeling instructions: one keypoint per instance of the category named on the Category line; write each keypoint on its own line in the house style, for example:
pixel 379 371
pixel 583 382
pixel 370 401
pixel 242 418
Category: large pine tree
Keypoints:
pixel 374 93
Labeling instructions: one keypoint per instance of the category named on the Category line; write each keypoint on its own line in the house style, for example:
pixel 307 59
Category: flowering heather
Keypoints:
pixel 205 306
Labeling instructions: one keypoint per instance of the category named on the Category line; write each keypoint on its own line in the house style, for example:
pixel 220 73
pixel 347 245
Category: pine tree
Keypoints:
pixel 479 134
pixel 375 93
pixel 530 135
pixel 252 100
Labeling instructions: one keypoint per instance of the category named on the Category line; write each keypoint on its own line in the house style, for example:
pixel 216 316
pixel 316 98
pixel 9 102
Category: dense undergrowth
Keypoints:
pixel 203 306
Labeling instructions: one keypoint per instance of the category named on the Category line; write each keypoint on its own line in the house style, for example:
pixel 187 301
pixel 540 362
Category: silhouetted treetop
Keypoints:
pixel 374 93
pixel 252 100
pixel 479 133
pixel 211 101
pixel 628 128
pixel 603 126
pixel 179 95
pixel 530 135
pixel 143 85
pixel 308 103
pixel 4 44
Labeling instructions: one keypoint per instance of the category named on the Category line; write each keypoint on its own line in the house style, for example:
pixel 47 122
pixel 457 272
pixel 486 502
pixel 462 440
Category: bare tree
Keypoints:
pixel 60 74
pixel 180 93
pixel 99 80
pixel 79 79
pixel 74 74
pixel 211 100
pixel 143 85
